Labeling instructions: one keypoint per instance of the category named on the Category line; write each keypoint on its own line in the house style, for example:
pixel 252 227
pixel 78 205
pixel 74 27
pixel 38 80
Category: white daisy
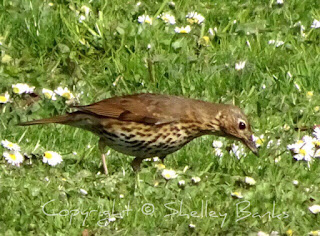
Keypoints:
pixel 181 183
pixel 13 157
pixel 217 144
pixel 183 30
pixel 308 140
pixel 304 153
pixel 22 88
pixel 304 149
pixel 277 43
pixel 52 158
pixel 274 233
pixel 261 233
pixel 192 226
pixel 145 19
pixel 64 92
pixel 236 195
pixel 316 132
pixel 155 159
pixel 49 94
pixel 240 65
pixel 167 18
pixel 259 140
pixel 315 24
pixel 309 94
pixel 10 146
pixel 315 209
pixel 218 152
pixel 314 233
pixel 280 2
pixel 297 86
pixel 238 151
pixel 86 10
pixel 249 180
pixel 317 154
pixel 82 18
pixel 194 17
pixel 213 31
pixel 4 98
pixel 83 192
pixel 271 143
pixel 195 180
pixel 295 182
pixel 169 174
pixel 271 41
pixel 295 147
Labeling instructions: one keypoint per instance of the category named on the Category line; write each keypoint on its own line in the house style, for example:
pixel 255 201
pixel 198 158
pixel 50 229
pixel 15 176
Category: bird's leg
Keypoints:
pixel 102 145
pixel 162 159
pixel 136 167
pixel 136 163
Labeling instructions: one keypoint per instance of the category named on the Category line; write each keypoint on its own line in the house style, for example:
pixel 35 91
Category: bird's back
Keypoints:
pixel 152 108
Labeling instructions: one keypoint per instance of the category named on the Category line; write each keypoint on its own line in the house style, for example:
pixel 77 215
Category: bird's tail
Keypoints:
pixel 57 119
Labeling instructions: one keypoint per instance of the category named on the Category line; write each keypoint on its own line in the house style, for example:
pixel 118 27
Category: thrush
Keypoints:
pixel 149 125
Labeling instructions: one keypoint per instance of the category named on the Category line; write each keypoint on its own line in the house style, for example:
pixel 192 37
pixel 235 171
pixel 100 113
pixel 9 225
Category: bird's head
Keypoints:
pixel 234 123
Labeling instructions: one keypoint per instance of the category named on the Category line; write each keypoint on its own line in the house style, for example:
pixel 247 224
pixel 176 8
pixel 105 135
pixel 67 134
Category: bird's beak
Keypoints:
pixel 251 145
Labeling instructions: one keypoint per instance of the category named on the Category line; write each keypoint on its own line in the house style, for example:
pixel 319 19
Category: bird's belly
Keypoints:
pixel 145 141
pixel 139 149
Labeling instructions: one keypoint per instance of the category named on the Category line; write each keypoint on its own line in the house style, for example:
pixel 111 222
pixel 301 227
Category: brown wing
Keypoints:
pixel 146 108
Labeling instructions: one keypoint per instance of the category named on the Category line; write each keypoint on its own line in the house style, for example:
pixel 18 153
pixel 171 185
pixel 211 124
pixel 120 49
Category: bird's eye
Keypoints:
pixel 242 125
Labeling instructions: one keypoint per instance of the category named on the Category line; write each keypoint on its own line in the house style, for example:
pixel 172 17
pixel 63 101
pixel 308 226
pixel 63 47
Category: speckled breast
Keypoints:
pixel 147 140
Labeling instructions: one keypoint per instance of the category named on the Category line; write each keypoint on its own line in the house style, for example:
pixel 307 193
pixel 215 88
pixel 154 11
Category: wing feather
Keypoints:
pixel 144 108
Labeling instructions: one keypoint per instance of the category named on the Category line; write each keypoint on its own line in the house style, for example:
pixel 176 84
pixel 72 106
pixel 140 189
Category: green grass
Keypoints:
pixel 43 43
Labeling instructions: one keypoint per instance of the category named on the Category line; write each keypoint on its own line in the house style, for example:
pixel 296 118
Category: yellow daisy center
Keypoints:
pixel 148 21
pixel 309 94
pixel 12 156
pixel 167 176
pixel 206 39
pixel 16 90
pixel 48 155
pixel 3 99
pixel 47 95
pixel 66 95
pixel 302 152
pixel 299 142
pixel 317 143
pixel 236 194
pixel 260 141
pixel 191 21
pixel 10 145
pixel 315 233
pixel 289 232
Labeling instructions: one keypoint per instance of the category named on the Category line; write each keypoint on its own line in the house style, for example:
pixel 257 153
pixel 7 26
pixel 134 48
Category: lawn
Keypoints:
pixel 263 56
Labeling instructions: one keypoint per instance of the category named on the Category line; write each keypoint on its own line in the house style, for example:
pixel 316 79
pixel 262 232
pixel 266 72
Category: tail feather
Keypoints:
pixel 57 119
